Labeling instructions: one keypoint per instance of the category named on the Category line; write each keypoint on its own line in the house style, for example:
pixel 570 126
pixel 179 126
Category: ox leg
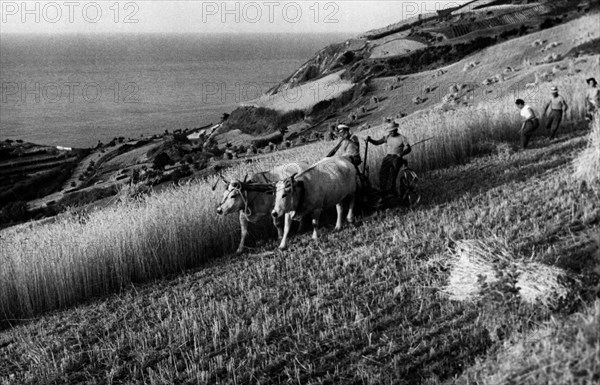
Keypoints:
pixel 350 216
pixel 340 213
pixel 244 227
pixel 286 231
pixel 315 222
pixel 278 223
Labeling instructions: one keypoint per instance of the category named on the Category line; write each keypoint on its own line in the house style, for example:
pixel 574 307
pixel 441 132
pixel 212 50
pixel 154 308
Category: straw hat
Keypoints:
pixel 343 127
pixel 393 126
pixel 554 89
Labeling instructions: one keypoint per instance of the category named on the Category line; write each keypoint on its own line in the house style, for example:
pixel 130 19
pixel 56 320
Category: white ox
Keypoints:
pixel 254 199
pixel 327 183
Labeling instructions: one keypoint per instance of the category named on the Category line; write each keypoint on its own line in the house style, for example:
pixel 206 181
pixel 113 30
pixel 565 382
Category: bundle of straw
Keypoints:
pixel 472 259
pixel 587 164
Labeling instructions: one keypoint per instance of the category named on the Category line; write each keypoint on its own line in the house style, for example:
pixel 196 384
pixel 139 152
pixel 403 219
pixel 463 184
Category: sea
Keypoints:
pixel 75 90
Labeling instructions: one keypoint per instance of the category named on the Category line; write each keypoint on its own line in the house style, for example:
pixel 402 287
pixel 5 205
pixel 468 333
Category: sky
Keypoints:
pixel 195 16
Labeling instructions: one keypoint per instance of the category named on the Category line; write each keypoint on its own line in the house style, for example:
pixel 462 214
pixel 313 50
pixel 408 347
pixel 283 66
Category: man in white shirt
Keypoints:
pixel 396 147
pixel 530 122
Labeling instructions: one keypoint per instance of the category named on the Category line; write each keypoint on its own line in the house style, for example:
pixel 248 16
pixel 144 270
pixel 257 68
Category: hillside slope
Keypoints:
pixel 485 65
pixel 515 62
pixel 361 306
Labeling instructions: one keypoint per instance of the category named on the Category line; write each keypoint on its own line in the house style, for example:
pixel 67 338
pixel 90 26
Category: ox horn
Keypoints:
pixel 221 177
pixel 215 185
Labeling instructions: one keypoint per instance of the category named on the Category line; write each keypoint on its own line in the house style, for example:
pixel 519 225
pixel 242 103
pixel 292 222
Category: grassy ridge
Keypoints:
pixel 55 265
pixel 362 306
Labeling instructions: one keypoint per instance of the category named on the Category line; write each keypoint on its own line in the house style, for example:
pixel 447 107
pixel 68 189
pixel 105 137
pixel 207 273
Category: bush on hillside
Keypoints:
pixel 180 137
pixel 325 108
pixel 505 35
pixel 523 30
pixel 264 141
pixel 181 172
pixel 161 161
pixel 256 121
pixel 135 175
pixel 547 23
pixel 346 59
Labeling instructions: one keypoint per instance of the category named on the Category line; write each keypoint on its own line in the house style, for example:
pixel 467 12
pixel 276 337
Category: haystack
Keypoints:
pixel 538 42
pixel 472 259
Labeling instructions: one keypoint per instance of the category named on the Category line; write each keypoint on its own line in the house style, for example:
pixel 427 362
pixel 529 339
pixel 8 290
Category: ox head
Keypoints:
pixel 233 198
pixel 287 194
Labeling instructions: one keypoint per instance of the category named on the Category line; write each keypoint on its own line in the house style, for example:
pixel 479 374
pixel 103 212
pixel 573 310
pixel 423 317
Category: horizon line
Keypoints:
pixel 179 33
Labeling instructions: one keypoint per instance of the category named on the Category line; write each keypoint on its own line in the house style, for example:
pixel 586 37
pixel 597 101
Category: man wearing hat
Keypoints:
pixel 530 122
pixel 349 145
pixel 396 147
pixel 558 107
pixel 592 99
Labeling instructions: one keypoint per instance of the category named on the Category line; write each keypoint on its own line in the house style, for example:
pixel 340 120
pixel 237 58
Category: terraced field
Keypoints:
pixel 35 166
pixel 30 171
pixel 523 14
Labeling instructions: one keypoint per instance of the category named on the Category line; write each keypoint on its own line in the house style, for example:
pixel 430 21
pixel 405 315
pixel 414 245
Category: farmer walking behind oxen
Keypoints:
pixel 530 122
pixel 349 146
pixel 592 99
pixel 396 147
pixel 558 108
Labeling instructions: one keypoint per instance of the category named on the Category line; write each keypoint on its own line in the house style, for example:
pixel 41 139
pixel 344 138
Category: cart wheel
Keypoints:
pixel 407 188
pixel 413 198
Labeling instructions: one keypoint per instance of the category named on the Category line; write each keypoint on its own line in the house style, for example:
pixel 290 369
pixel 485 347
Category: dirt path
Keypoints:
pixel 80 170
